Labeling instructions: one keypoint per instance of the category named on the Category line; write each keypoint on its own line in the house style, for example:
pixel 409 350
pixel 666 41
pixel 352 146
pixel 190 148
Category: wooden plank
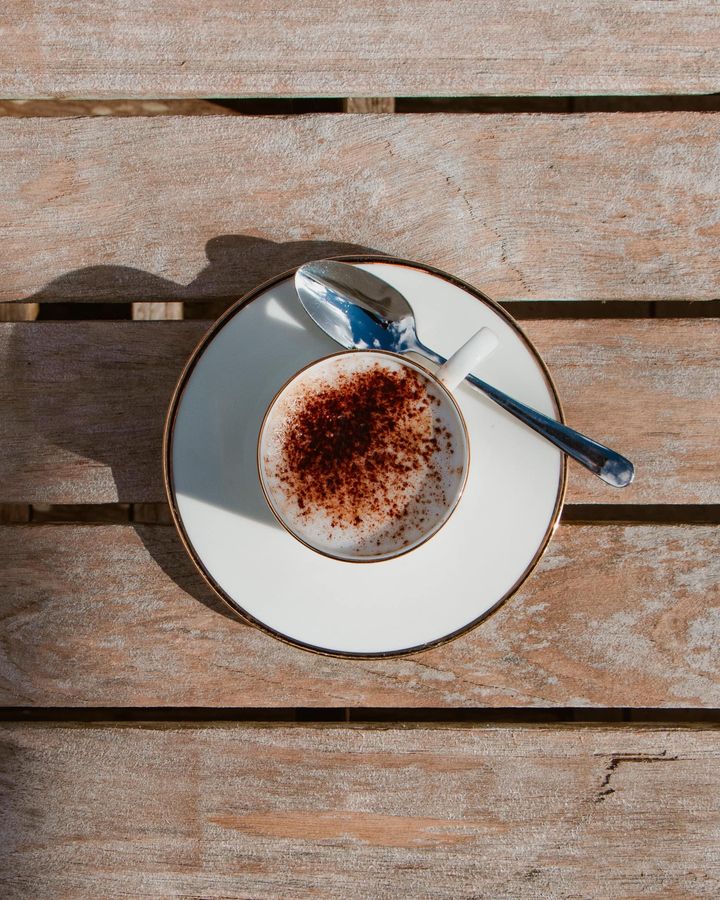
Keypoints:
pixel 369 105
pixel 83 405
pixel 237 811
pixel 153 312
pixel 111 107
pixel 368 48
pixel 652 393
pixel 112 615
pixel 19 312
pixel 14 513
pixel 584 207
pixel 97 388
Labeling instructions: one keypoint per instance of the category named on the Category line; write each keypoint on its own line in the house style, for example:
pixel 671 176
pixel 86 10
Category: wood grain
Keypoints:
pixel 369 105
pixel 19 312
pixel 14 513
pixel 83 405
pixel 652 393
pixel 367 48
pixel 112 615
pixel 153 312
pixel 585 207
pixel 236 811
pixel 67 107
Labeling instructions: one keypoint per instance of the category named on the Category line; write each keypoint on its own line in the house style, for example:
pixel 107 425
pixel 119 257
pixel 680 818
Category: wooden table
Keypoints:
pixel 154 745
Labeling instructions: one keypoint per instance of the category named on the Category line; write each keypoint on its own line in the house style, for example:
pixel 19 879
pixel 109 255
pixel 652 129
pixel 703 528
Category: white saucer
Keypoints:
pixel 489 546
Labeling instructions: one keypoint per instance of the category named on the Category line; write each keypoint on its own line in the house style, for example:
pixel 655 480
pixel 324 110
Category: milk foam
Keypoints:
pixel 411 507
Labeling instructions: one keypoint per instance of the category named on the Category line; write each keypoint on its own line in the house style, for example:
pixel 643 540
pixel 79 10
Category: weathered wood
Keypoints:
pixel 237 811
pixel 83 405
pixel 19 312
pixel 111 107
pixel 583 207
pixel 653 393
pixel 153 312
pixel 83 420
pixel 367 48
pixel 14 513
pixel 369 105
pixel 614 615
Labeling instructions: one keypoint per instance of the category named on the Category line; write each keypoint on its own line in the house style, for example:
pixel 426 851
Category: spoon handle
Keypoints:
pixel 608 465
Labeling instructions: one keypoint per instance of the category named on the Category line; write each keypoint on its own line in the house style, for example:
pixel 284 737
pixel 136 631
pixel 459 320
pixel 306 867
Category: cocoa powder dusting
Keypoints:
pixel 360 448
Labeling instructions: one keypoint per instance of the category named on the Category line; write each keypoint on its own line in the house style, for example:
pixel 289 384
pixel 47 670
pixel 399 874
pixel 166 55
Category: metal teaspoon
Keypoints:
pixel 361 311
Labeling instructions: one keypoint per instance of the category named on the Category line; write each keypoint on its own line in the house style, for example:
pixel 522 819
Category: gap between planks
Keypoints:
pixel 276 106
pixel 159 514
pixel 521 310
pixel 365 717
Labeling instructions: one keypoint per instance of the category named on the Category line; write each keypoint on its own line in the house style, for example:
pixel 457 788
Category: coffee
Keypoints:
pixel 363 455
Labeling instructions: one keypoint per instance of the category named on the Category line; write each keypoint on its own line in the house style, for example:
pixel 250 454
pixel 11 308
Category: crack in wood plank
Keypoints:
pixel 605 790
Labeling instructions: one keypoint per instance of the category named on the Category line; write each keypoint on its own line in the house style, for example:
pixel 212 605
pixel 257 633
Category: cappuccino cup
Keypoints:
pixel 364 455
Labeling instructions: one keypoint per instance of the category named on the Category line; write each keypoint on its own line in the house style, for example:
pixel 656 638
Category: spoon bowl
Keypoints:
pixel 355 308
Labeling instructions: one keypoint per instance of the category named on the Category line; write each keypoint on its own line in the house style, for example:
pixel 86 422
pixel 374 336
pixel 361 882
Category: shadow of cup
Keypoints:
pixel 124 418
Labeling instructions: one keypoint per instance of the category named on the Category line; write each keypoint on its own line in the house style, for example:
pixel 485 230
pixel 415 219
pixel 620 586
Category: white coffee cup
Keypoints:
pixel 393 477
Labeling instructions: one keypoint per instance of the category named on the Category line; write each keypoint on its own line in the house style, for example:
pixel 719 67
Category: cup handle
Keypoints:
pixel 480 345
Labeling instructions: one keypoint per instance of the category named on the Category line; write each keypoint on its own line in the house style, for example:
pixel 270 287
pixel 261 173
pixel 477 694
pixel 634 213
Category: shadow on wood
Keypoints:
pixel 115 394
pixel 236 263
